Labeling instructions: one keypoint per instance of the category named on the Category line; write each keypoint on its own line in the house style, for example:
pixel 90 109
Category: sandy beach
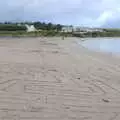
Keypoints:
pixel 54 79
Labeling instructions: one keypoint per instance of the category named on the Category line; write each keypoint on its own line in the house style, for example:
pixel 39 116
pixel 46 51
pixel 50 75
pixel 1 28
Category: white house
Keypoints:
pixel 30 28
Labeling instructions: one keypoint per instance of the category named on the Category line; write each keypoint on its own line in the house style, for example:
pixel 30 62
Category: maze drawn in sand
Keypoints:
pixel 52 95
pixel 46 92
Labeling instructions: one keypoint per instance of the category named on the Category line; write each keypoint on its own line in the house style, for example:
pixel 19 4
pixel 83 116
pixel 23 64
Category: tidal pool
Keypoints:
pixel 111 45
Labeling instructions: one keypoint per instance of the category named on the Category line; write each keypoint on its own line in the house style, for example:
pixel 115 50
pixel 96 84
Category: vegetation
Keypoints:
pixel 49 29
pixel 47 26
pixel 105 33
pixel 9 26
pixel 19 29
pixel 12 27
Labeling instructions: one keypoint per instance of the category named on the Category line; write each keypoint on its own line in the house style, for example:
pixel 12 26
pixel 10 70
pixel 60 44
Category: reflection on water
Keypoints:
pixel 105 45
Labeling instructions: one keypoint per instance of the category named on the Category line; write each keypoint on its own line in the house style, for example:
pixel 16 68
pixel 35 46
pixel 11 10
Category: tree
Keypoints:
pixel 59 27
pixel 37 25
pixel 49 26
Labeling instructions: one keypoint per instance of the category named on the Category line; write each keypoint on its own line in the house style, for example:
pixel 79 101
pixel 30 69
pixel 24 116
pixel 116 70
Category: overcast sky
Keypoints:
pixel 105 13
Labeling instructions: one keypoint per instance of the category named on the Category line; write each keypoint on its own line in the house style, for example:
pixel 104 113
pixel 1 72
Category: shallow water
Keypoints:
pixel 111 45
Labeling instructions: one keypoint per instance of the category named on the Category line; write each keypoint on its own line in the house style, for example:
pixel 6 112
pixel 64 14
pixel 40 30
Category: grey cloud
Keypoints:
pixel 76 12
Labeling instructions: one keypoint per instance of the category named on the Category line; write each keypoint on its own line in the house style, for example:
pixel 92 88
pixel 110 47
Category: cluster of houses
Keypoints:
pixel 80 29
pixel 31 28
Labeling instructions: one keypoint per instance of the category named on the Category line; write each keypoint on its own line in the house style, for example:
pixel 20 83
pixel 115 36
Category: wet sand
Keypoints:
pixel 54 79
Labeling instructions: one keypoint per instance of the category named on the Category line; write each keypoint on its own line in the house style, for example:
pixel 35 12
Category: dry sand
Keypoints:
pixel 54 79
